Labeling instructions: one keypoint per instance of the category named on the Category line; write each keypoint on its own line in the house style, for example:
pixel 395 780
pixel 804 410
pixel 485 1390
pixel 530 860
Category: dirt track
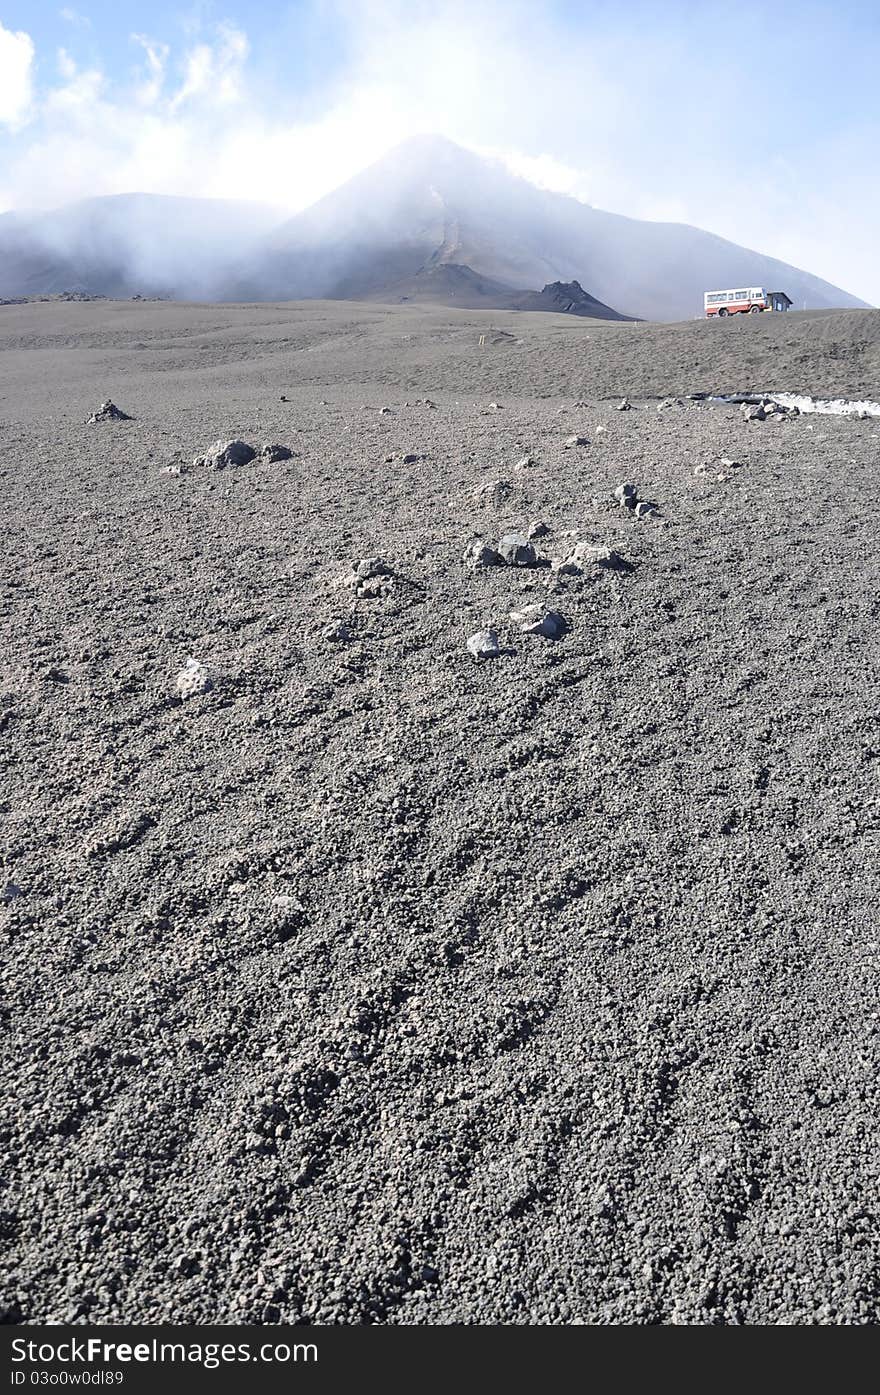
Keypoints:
pixel 382 985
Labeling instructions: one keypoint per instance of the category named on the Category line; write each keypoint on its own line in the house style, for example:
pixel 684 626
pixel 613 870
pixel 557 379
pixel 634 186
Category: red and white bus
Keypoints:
pixel 746 302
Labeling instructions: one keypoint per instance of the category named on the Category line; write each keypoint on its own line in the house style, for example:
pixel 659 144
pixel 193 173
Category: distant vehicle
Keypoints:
pixel 747 302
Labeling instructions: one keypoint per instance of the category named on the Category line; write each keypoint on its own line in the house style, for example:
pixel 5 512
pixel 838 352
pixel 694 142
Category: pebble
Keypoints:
pixel 626 495
pixel 484 645
pixel 572 441
pixel 10 892
pixel 643 509
pixel 525 462
pixel 274 453
pixel 337 633
pixel 625 405
pixel 193 679
pixel 538 530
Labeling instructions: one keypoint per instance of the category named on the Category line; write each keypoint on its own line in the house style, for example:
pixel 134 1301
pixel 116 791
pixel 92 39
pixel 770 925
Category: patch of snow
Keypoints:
pixel 832 407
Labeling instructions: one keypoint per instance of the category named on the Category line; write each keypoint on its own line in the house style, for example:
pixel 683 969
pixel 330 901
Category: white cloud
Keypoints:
pixel 66 65
pixel 74 18
pixel 149 90
pixel 214 72
pixel 16 69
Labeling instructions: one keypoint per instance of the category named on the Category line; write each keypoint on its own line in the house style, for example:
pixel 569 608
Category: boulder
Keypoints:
pixel 516 551
pixel 225 453
pixel 272 453
pixel 108 411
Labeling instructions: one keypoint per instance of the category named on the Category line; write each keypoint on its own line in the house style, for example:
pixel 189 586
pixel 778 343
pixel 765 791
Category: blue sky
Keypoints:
pixel 760 122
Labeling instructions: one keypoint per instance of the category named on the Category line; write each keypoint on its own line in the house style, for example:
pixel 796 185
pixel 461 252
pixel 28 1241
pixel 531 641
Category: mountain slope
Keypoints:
pixel 127 244
pixel 431 202
pixel 426 206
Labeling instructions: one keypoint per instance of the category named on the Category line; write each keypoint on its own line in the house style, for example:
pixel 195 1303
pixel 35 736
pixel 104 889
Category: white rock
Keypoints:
pixel 193 679
pixel 484 645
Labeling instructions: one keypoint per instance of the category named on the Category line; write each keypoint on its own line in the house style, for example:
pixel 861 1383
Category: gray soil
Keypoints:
pixel 378 984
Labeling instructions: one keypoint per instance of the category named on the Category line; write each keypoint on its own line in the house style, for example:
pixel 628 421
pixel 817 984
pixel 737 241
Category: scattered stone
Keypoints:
pixel 370 578
pixel 626 496
pixel 385 412
pixel 525 462
pixel 374 587
pixel 625 405
pixel 538 530
pixel 370 566
pixel 282 398
pixel 479 554
pixel 174 470
pixel 516 551
pixel 338 634
pixel 193 679
pixel 753 413
pixel 272 453
pixel 494 406
pixel 644 509
pixel 10 892
pixel 411 458
pixel 535 620
pixel 224 453
pixel 496 490
pixel 528 614
pixel 108 411
pixel 585 556
pixel 572 441
pixel 484 645
pixel 668 403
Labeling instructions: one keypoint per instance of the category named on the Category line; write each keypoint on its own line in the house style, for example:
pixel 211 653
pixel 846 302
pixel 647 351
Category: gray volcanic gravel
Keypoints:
pixel 352 980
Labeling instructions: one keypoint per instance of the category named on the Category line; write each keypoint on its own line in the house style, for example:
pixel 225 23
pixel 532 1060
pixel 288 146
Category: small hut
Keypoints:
pixel 778 300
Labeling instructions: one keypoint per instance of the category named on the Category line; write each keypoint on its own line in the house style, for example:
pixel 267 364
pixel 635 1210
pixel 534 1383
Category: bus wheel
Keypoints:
pixel 756 309
pixel 721 312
